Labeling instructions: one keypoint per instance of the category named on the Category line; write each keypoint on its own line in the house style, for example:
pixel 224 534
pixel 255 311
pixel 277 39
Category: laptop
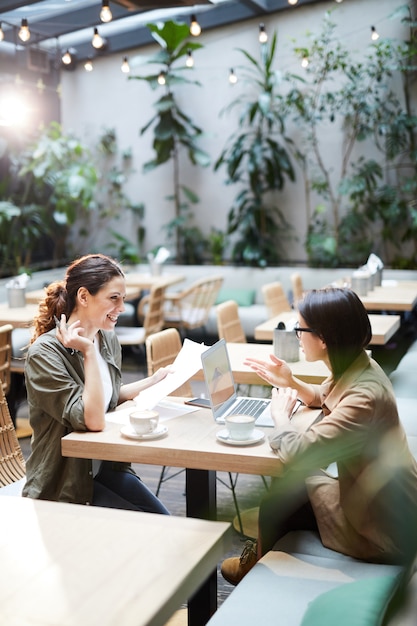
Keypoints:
pixel 221 389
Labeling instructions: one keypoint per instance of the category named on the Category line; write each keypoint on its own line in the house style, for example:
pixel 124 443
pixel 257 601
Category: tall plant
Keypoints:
pixel 257 158
pixel 174 131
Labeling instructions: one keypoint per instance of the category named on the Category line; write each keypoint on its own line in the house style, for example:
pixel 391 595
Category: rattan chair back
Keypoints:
pixel 229 325
pixel 12 463
pixel 275 299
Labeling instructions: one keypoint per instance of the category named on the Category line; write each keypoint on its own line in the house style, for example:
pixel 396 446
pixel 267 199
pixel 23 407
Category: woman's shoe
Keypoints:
pixel 235 568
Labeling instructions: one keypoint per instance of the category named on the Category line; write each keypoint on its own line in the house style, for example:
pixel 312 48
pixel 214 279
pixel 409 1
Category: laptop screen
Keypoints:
pixel 218 375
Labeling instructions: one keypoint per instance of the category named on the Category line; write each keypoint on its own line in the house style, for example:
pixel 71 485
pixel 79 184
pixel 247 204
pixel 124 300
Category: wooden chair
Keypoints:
pixel 151 310
pixel 12 463
pixel 275 299
pixel 297 288
pixel 229 325
pixel 190 308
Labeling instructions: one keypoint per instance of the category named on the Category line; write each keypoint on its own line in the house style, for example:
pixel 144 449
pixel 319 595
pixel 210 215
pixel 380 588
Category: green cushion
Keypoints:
pixel 243 297
pixel 360 603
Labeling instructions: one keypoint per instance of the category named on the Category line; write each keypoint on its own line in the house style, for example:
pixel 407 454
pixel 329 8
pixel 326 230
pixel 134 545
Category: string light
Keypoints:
pixel 263 37
pixel 162 78
pixel 97 40
pixel 304 62
pixel 125 67
pixel 24 32
pixel 1 33
pixel 232 77
pixel 292 2
pixel 374 34
pixel 88 65
pixel 105 13
pixel 339 1
pixel 195 28
pixel 189 61
pixel 66 58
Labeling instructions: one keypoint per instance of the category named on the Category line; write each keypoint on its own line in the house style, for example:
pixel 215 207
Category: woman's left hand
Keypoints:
pixel 282 405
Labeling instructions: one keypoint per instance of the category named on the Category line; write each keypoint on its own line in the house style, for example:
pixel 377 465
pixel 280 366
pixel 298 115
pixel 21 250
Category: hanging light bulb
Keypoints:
pixel 125 66
pixel 232 77
pixel 263 37
pixel 97 40
pixel 304 62
pixel 88 65
pixel 24 32
pixel 66 58
pixel 339 1
pixel 195 28
pixel 374 34
pixel 1 33
pixel 161 78
pixel 105 13
pixel 189 61
pixel 292 2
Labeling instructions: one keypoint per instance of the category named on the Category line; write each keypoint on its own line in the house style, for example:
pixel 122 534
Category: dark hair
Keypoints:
pixel 92 271
pixel 340 319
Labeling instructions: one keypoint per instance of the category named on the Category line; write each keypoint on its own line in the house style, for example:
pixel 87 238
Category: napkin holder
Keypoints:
pixel 286 345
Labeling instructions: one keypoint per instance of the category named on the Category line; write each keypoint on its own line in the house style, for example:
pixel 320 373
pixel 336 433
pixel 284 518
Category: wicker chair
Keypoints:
pixel 5 356
pixel 190 308
pixel 151 310
pixel 275 299
pixel 229 325
pixel 12 463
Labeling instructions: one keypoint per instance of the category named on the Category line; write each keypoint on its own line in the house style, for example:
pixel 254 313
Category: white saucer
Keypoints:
pixel 223 436
pixel 129 432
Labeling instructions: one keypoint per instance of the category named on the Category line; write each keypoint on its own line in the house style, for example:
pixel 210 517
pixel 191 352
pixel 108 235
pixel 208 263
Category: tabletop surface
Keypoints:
pixel 190 442
pixel 146 281
pixel 18 317
pixel 383 326
pixel 69 564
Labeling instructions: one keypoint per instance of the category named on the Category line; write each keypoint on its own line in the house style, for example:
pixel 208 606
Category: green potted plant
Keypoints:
pixel 257 159
pixel 174 131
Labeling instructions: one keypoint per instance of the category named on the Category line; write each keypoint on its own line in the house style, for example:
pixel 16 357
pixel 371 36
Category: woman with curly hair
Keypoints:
pixel 73 377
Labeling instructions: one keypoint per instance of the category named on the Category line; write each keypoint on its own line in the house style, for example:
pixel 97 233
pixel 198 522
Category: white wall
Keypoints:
pixel 106 98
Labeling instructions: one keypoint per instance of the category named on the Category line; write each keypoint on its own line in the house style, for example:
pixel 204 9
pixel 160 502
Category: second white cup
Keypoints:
pixel 240 427
pixel 144 422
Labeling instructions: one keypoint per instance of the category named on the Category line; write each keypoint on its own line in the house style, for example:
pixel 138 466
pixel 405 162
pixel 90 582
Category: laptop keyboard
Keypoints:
pixel 250 407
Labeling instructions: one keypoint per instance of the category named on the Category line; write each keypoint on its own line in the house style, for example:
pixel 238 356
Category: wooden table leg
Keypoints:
pixel 201 503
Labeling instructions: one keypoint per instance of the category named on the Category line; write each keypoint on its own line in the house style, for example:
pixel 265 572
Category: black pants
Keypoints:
pixel 286 507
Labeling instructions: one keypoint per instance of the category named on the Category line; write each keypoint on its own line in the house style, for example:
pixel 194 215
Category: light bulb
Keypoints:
pixel 97 40
pixel 66 58
pixel 195 28
pixel 304 62
pixel 232 77
pixel 263 37
pixel 161 79
pixel 339 1
pixel 189 61
pixel 374 34
pixel 1 33
pixel 88 65
pixel 105 13
pixel 24 32
pixel 292 2
pixel 125 66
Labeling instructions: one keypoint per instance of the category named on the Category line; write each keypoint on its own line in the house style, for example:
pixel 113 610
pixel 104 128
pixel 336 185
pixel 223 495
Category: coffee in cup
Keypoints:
pixel 240 427
pixel 144 422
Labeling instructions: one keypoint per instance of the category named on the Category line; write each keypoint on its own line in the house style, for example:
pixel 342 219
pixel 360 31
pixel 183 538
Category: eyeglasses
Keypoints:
pixel 298 330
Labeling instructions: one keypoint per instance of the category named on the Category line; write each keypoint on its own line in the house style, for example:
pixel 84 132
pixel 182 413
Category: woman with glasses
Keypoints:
pixel 369 510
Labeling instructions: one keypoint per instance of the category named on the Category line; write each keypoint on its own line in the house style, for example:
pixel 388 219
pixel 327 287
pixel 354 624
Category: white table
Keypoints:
pixel 73 565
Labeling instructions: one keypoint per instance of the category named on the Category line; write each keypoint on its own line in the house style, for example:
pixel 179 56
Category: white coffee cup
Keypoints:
pixel 240 427
pixel 144 422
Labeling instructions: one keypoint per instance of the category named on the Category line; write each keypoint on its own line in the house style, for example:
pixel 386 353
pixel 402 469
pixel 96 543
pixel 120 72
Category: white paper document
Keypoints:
pixel 167 410
pixel 187 363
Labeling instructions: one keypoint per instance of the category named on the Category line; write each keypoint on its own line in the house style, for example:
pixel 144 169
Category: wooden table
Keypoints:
pixel 401 296
pixel 18 317
pixel 75 565
pixel 383 327
pixel 309 372
pixel 191 443
pixel 146 281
